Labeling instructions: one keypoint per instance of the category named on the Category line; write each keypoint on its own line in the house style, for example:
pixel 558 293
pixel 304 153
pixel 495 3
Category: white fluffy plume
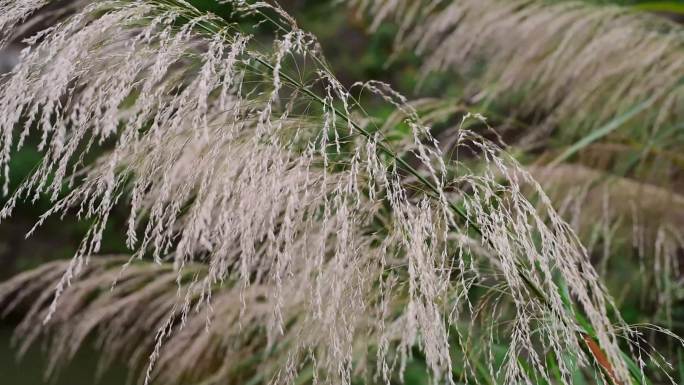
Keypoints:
pixel 345 252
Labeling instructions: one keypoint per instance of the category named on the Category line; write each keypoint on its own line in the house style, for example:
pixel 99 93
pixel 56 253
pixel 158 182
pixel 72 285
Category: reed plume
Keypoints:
pixel 567 64
pixel 296 230
pixel 599 92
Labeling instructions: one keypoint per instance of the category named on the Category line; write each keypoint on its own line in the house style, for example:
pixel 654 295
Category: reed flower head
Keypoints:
pixel 573 64
pixel 294 230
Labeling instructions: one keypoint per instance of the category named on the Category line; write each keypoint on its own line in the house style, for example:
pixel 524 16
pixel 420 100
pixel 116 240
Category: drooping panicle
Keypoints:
pixel 296 230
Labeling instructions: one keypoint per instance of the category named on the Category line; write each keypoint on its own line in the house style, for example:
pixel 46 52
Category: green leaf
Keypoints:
pixel 611 126
pixel 662 6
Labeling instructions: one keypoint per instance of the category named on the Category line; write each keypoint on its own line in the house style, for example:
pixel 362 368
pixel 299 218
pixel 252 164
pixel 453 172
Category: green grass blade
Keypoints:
pixel 662 6
pixel 611 126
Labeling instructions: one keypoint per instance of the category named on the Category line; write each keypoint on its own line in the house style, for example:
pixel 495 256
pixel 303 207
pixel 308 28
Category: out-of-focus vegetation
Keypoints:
pixel 647 291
